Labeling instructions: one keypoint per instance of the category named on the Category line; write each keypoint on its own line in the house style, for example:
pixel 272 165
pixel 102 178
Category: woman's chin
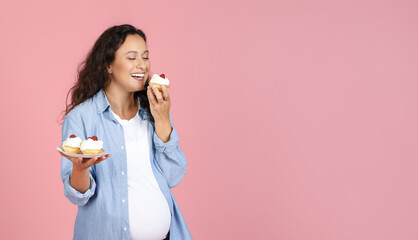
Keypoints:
pixel 141 88
pixel 138 87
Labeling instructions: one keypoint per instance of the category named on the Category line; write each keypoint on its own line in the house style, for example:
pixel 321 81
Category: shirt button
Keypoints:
pixel 118 125
pixel 122 173
pixel 122 147
pixel 123 200
pixel 124 229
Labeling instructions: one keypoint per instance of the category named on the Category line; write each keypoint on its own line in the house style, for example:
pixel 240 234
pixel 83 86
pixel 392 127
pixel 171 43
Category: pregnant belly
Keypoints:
pixel 149 213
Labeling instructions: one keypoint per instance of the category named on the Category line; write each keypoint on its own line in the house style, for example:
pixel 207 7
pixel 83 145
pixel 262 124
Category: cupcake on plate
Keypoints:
pixel 92 146
pixel 72 144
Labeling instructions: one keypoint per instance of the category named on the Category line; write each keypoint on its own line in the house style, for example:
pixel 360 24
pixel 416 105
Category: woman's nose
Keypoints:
pixel 141 64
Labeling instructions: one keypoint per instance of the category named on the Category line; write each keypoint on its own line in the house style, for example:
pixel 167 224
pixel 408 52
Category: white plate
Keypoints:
pixel 59 148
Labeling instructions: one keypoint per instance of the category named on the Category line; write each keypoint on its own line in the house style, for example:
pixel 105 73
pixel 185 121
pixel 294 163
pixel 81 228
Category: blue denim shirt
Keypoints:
pixel 103 209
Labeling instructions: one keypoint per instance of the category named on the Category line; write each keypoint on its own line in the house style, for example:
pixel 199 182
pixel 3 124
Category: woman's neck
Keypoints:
pixel 122 103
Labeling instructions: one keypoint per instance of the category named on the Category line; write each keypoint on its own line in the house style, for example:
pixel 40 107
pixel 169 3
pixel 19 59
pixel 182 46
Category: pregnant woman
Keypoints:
pixel 126 193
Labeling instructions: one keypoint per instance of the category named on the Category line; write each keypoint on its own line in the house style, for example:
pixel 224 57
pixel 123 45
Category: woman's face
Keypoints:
pixel 130 69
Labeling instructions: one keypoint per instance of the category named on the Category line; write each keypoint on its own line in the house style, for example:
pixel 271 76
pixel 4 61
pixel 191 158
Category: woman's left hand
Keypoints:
pixel 160 103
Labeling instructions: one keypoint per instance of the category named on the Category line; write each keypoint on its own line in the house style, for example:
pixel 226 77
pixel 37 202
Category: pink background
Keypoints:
pixel 298 118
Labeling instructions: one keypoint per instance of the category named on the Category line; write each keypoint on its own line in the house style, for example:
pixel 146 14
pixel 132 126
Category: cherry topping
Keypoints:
pixel 72 136
pixel 94 138
pixel 162 75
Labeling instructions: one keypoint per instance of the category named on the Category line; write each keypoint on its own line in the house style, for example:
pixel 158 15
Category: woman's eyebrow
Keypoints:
pixel 146 51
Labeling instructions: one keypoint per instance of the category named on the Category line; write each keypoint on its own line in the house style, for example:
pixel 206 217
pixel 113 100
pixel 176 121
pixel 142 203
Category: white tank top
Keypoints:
pixel 149 213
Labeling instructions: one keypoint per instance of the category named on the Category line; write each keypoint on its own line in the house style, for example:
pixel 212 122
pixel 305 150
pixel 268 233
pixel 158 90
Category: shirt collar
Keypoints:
pixel 103 104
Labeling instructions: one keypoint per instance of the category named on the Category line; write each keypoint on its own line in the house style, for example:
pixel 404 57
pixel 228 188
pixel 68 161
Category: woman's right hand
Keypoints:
pixel 81 164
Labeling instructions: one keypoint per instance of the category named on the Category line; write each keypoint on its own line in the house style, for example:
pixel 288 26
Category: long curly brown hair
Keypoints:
pixel 92 73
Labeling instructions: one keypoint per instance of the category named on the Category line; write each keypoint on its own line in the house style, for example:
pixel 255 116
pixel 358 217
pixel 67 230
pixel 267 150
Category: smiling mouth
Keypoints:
pixel 138 76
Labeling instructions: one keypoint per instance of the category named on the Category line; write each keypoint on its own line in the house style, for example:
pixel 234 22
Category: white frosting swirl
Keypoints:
pixel 72 142
pixel 91 144
pixel 157 79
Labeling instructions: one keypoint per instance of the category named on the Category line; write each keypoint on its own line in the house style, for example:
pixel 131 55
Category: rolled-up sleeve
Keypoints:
pixel 69 127
pixel 170 158
pixel 75 196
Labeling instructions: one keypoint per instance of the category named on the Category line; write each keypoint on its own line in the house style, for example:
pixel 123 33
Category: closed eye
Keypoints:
pixel 145 58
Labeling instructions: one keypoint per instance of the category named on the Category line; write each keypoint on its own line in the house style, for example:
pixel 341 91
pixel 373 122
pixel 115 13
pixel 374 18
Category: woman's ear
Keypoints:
pixel 109 69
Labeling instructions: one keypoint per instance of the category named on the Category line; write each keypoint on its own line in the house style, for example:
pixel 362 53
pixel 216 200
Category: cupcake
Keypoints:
pixel 159 80
pixel 72 144
pixel 92 146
